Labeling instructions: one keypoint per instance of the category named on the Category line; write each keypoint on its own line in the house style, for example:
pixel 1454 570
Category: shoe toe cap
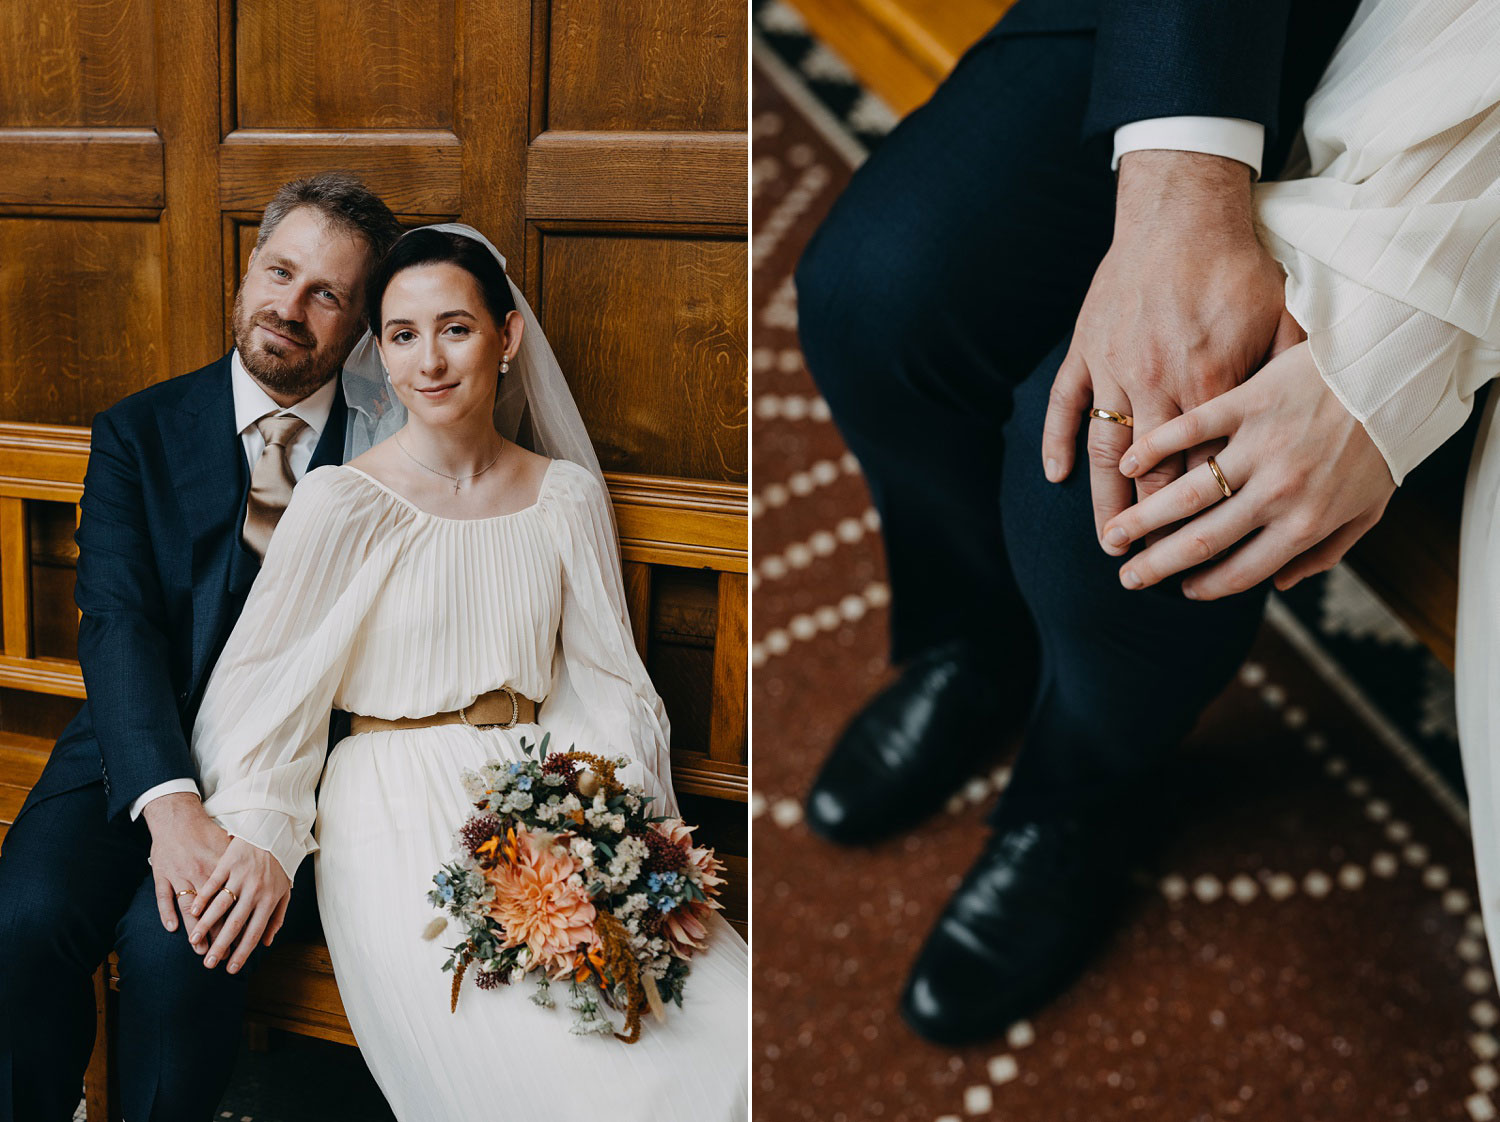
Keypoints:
pixel 832 813
pixel 952 996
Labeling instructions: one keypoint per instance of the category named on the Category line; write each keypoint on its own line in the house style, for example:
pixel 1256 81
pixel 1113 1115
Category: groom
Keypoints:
pixel 936 305
pixel 185 483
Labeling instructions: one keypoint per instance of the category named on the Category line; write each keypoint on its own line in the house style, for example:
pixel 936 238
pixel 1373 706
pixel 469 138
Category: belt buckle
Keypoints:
pixel 515 713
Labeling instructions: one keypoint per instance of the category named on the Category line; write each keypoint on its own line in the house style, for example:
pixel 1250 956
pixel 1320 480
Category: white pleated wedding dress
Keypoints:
pixel 370 605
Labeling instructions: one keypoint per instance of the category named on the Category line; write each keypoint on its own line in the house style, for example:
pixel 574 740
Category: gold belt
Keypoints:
pixel 498 709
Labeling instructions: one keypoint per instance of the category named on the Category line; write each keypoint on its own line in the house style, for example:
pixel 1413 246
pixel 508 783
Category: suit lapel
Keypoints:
pixel 207 465
pixel 330 449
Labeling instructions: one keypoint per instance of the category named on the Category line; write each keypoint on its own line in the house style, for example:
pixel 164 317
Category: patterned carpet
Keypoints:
pixel 1310 949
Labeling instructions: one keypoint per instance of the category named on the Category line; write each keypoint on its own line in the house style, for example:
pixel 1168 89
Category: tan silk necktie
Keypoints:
pixel 271 482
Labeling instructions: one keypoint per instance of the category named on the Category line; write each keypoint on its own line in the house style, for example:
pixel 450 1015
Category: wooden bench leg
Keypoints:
pixel 100 1094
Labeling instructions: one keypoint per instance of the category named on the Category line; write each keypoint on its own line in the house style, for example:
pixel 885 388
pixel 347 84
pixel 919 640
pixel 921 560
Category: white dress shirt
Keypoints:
pixel 1232 137
pixel 251 404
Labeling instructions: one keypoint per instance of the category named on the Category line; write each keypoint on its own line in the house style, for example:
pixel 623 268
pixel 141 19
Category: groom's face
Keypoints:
pixel 300 307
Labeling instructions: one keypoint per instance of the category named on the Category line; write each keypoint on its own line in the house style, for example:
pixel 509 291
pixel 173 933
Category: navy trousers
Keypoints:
pixel 73 886
pixel 935 305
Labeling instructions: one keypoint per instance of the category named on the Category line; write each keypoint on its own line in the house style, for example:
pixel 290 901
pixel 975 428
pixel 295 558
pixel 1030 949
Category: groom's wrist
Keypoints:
pixel 1205 196
pixel 168 803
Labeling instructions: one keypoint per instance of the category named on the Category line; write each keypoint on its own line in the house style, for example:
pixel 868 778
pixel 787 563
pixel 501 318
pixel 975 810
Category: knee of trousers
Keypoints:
pixel 49 936
pixel 163 979
pixel 1072 587
pixel 855 321
pixel 885 308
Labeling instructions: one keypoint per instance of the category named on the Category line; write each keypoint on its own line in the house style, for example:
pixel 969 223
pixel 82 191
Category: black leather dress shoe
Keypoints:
pixel 916 743
pixel 1042 897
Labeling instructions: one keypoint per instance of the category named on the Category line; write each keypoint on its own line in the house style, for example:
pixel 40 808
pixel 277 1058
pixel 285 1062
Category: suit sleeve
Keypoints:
pixel 122 642
pixel 1181 58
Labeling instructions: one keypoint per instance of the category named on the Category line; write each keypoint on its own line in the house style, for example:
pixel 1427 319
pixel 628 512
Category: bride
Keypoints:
pixel 418 587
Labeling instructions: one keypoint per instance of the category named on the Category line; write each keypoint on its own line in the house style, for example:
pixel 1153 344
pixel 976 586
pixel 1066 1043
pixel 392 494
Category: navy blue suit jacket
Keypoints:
pixel 162 576
pixel 1200 58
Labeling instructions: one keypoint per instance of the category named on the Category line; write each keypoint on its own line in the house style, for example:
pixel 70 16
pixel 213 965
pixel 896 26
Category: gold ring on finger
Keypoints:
pixel 232 896
pixel 1111 415
pixel 1213 466
pixel 187 892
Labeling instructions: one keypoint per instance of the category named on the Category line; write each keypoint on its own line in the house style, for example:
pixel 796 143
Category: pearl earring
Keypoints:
pixel 505 366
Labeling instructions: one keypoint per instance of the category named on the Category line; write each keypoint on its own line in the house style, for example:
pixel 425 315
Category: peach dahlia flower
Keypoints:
pixel 538 903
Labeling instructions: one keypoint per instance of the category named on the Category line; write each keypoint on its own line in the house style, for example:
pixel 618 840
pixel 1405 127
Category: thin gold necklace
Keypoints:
pixel 458 480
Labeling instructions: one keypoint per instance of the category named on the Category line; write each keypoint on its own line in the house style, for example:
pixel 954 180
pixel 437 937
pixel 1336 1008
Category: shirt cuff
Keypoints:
pixel 170 787
pixel 1231 137
pixel 273 831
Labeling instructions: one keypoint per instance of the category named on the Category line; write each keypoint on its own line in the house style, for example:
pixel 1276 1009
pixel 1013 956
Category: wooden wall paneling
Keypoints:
pixel 82 324
pixel 494 98
pixel 77 65
pixel 81 168
pixel 414 172
pixel 15 577
pixel 638 177
pixel 187 80
pixel 650 64
pixel 237 233
pixel 344 64
pixel 652 332
pixel 728 737
pixel 638 600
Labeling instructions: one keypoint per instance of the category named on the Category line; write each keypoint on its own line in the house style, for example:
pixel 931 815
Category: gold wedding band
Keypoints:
pixel 1213 466
pixel 232 896
pixel 1111 415
pixel 187 892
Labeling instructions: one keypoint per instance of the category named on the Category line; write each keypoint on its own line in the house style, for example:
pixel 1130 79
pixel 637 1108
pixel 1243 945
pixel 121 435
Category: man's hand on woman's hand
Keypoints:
pixel 1185 305
pixel 241 904
pixel 1307 483
pixel 186 844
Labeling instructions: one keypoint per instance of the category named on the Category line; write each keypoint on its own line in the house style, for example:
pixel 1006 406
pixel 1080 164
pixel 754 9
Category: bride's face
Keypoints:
pixel 441 345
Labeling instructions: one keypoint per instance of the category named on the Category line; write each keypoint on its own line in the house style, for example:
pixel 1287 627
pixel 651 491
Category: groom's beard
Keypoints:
pixel 292 372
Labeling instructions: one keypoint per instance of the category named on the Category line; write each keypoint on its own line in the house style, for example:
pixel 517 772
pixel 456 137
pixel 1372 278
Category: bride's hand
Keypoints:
pixel 1306 478
pixel 241 903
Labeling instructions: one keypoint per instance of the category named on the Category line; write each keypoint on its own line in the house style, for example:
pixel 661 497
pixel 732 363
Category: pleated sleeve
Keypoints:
pixel 261 735
pixel 602 699
pixel 1391 233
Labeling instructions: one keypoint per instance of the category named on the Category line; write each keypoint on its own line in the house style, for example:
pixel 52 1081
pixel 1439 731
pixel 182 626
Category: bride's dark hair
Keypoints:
pixel 435 247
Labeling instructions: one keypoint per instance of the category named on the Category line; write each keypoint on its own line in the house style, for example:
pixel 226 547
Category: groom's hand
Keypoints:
pixel 242 903
pixel 1185 305
pixel 186 845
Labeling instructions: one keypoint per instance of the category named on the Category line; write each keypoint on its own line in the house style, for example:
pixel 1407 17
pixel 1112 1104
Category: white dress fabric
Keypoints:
pixel 371 605
pixel 1391 241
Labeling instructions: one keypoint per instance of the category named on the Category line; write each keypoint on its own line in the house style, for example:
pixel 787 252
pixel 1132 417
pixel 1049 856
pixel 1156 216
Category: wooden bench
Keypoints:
pixel 663 524
pixel 901 49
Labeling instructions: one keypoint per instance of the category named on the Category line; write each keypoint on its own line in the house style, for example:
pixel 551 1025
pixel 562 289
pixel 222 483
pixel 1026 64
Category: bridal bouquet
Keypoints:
pixel 561 874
